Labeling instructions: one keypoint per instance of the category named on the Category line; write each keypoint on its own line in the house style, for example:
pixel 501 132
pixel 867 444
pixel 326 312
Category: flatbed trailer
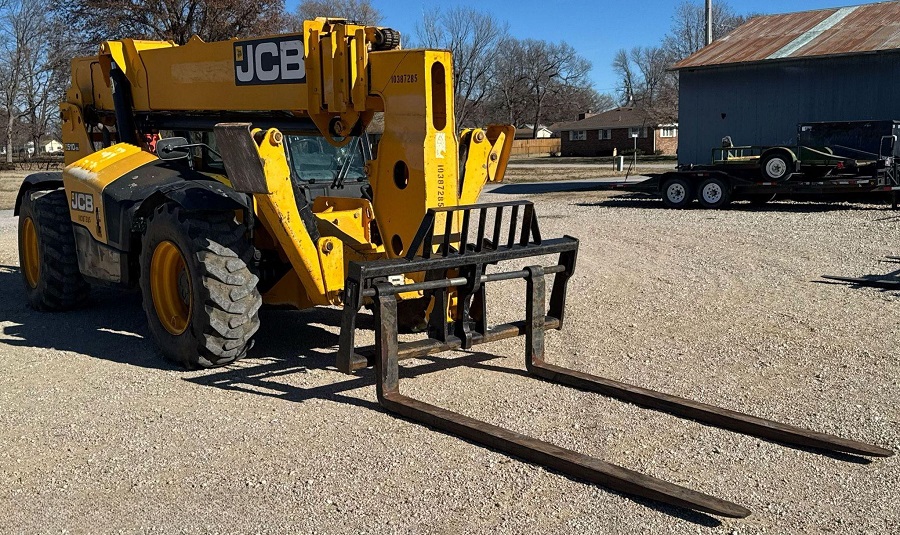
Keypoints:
pixel 716 188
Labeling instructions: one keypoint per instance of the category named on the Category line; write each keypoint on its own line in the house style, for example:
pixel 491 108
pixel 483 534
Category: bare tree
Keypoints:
pixel 23 65
pixel 643 74
pixel 45 78
pixel 688 33
pixel 547 69
pixel 510 98
pixel 536 81
pixel 627 86
pixel 565 104
pixel 475 39
pixel 361 11
pixel 175 20
pixel 653 63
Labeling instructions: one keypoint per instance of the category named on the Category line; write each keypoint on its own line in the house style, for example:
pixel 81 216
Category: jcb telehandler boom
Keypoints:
pixel 218 177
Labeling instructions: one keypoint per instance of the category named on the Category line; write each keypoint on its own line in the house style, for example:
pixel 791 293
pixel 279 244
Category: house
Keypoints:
pixel 613 132
pixel 53 147
pixel 764 78
pixel 527 132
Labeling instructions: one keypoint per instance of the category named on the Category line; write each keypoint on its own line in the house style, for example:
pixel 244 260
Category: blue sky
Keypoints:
pixel 597 29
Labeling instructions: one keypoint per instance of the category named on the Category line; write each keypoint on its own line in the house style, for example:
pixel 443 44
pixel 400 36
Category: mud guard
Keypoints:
pixel 41 181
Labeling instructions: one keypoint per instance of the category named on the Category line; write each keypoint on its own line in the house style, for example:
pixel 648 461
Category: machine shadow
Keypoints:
pixel 110 325
pixel 562 186
pixel 644 201
pixel 888 282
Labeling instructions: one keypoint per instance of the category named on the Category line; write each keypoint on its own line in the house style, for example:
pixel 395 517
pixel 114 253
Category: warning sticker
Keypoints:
pixel 440 144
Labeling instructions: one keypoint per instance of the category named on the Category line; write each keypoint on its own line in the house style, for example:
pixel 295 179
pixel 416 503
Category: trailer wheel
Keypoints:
pixel 714 193
pixel 198 292
pixel 676 193
pixel 776 166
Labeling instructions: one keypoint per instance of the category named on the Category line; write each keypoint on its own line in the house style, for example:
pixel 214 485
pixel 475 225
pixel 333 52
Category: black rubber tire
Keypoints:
pixel 714 193
pixel 217 254
pixel 386 39
pixel 776 166
pixel 677 193
pixel 60 285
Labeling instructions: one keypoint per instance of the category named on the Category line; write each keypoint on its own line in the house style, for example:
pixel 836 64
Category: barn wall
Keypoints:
pixel 761 104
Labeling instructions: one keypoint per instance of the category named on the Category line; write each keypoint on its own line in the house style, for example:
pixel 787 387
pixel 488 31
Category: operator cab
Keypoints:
pixel 320 168
pixel 317 167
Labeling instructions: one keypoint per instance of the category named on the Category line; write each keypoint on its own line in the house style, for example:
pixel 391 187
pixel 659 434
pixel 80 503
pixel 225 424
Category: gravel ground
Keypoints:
pixel 97 434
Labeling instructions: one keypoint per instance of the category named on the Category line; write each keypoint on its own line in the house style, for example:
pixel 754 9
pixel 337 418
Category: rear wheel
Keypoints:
pixel 199 294
pixel 714 193
pixel 676 193
pixel 47 253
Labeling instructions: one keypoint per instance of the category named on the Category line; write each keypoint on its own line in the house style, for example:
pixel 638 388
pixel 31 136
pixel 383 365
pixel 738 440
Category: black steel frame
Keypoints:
pixel 370 280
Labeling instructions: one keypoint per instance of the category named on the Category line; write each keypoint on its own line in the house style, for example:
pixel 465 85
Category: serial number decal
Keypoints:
pixel 404 78
pixel 83 202
pixel 440 185
pixel 269 61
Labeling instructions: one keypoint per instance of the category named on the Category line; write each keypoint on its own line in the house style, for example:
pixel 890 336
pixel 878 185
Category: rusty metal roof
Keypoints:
pixel 823 32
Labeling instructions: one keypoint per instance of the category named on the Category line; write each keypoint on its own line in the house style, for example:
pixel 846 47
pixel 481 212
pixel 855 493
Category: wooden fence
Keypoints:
pixel 535 147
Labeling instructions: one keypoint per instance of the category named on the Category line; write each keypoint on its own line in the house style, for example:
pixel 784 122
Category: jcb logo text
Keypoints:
pixel 83 202
pixel 269 61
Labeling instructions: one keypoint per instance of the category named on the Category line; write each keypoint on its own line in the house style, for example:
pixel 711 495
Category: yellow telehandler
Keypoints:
pixel 220 177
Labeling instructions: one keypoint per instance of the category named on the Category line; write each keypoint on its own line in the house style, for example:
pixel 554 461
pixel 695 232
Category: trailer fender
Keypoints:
pixel 37 181
pixel 787 151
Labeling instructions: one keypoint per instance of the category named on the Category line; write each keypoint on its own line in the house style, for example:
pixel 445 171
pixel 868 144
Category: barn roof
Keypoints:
pixel 824 32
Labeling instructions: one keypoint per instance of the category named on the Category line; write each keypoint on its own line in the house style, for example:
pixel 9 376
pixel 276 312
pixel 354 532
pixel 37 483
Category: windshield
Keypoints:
pixel 314 159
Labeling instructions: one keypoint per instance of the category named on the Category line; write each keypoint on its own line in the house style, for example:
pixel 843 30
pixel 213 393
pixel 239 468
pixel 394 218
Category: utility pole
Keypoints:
pixel 634 163
pixel 709 35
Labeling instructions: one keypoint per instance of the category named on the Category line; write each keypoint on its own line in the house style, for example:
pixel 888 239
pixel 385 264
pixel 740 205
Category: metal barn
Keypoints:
pixel 758 82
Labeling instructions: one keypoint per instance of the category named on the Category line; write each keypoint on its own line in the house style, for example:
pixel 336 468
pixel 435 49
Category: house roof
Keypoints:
pixel 528 129
pixel 824 32
pixel 618 118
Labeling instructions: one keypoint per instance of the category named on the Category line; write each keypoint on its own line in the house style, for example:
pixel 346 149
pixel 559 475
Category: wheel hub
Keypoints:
pixel 676 193
pixel 712 193
pixel 776 168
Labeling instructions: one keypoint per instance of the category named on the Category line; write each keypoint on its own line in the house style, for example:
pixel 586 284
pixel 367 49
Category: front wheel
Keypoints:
pixel 714 193
pixel 676 193
pixel 198 292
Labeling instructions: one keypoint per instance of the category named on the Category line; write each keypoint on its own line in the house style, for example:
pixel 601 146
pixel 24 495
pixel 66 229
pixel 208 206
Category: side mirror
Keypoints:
pixel 173 148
